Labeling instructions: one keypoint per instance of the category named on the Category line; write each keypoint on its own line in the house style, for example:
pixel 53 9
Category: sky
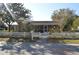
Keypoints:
pixel 43 11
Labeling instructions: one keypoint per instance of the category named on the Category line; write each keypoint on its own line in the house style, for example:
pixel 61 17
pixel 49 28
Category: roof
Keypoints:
pixel 14 23
pixel 3 24
pixel 43 22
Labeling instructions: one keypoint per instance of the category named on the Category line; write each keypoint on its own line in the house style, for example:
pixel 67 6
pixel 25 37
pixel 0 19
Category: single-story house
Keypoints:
pixel 39 26
pixel 43 26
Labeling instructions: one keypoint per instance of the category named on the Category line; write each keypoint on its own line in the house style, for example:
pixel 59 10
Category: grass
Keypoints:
pixel 6 30
pixel 3 39
pixel 71 41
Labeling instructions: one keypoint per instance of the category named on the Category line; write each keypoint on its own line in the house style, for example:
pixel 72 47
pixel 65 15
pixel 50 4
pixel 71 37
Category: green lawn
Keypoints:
pixel 71 41
pixel 74 41
pixel 6 30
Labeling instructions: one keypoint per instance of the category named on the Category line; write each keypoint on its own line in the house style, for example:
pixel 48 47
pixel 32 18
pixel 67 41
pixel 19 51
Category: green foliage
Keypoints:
pixel 64 17
pixel 55 29
pixel 24 26
pixel 68 24
pixel 19 10
pixel 75 23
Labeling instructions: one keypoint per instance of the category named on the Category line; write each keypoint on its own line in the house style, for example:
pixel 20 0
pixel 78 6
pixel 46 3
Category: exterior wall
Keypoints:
pixel 42 28
pixel 38 26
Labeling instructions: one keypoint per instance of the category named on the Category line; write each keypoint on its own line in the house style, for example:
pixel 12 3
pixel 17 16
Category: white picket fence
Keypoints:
pixel 38 34
pixel 65 35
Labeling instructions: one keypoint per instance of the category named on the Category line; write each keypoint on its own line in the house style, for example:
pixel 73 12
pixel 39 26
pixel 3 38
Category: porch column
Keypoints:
pixel 38 28
pixel 47 28
pixel 43 28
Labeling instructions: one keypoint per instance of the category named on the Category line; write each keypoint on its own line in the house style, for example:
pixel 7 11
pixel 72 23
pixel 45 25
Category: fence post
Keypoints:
pixel 32 35
pixel 39 34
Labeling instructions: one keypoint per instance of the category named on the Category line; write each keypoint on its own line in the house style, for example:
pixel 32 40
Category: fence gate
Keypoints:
pixel 40 35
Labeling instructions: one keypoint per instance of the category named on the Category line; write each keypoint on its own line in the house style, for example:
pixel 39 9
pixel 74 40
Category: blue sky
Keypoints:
pixel 43 11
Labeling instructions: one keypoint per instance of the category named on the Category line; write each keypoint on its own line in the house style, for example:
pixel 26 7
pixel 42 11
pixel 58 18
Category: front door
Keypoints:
pixel 43 28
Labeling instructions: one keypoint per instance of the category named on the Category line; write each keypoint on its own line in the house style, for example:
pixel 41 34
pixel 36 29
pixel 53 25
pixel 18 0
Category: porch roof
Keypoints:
pixel 44 23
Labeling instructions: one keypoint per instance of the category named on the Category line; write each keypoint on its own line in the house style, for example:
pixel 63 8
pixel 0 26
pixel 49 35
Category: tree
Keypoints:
pixel 68 24
pixel 75 23
pixel 17 10
pixel 20 12
pixel 24 25
pixel 6 16
pixel 64 17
